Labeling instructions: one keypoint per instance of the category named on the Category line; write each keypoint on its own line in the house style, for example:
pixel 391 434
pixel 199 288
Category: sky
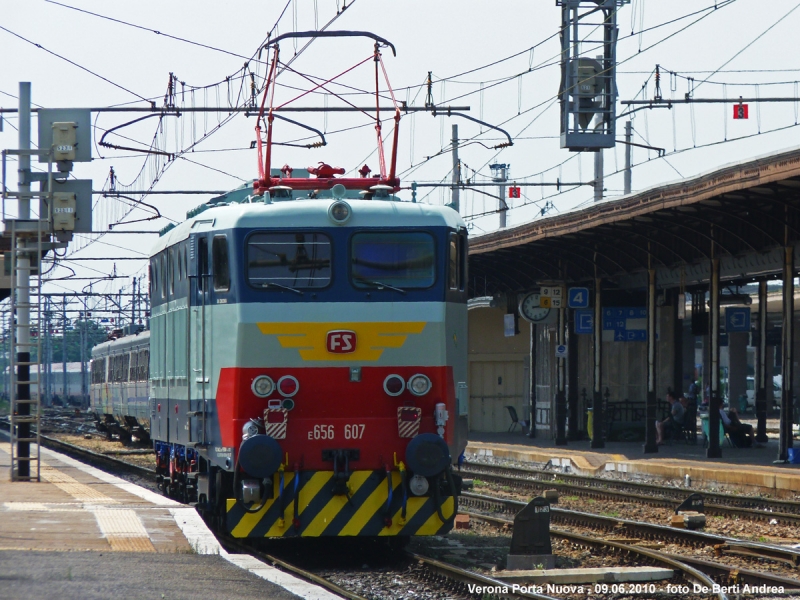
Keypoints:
pixel 500 59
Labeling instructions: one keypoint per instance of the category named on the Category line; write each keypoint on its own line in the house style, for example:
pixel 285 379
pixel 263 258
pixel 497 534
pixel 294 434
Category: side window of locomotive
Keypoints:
pixel 405 260
pixel 221 268
pixel 453 266
pixel 172 268
pixel 163 269
pixel 202 262
pixel 293 260
pixel 463 253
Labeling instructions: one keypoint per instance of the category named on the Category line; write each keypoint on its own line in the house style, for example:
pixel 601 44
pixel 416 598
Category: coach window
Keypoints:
pixel 403 260
pixel 289 260
pixel 219 258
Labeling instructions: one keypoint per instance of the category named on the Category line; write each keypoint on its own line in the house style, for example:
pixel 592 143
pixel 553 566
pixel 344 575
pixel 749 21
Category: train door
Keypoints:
pixel 199 355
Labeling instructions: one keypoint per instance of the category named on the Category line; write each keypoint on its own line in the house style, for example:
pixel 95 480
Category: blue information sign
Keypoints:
pixel 628 324
pixel 584 322
pixel 578 297
pixel 737 319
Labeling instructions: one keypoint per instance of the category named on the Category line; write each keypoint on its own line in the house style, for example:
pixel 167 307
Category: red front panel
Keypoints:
pixel 332 412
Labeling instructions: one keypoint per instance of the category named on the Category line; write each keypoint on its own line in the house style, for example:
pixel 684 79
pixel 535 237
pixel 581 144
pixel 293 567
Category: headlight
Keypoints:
pixel 339 212
pixel 419 385
pixel 418 485
pixel 394 385
pixel 262 386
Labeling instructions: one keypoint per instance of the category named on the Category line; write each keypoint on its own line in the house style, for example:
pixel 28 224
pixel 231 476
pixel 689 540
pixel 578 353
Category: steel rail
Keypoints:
pixel 471 578
pixel 688 571
pixel 721 544
pixel 242 548
pixel 771 507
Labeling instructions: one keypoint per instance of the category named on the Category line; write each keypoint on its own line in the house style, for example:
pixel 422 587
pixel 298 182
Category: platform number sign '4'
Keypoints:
pixel 578 297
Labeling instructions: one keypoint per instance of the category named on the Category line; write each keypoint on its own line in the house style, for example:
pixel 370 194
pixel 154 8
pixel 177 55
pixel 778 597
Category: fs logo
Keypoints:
pixel 341 341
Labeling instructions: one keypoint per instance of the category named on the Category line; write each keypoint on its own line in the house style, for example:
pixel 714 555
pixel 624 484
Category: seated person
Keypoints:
pixel 741 434
pixel 674 422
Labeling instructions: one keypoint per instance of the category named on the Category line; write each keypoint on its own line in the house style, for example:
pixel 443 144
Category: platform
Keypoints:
pixel 82 533
pixel 754 469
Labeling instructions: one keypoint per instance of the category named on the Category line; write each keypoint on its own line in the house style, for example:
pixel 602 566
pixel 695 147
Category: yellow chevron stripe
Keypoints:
pixel 413 505
pixel 375 501
pixel 434 524
pixel 250 520
pixel 335 504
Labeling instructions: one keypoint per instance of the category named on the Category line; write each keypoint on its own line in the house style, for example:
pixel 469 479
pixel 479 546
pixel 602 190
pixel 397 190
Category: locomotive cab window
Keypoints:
pixel 289 260
pixel 403 260
pixel 219 258
pixel 454 268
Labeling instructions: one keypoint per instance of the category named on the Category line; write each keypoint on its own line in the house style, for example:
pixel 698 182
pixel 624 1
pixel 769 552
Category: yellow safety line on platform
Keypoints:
pixel 123 530
pixel 70 485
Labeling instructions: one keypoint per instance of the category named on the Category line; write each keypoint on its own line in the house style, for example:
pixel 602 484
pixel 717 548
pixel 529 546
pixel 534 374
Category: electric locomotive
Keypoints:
pixel 308 350
pixel 308 364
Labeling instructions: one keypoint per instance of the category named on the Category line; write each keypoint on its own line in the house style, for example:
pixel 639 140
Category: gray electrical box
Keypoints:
pixel 72 206
pixel 71 127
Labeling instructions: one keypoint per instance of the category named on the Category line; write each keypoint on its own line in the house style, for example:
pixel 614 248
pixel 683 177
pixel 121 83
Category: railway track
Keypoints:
pixel 785 512
pixel 649 532
pixel 450 577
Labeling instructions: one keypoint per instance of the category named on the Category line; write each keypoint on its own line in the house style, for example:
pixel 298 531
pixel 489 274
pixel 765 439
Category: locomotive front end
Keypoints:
pixel 343 413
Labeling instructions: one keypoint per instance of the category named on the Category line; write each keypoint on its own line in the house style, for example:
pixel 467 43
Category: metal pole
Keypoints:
pixel 572 378
pixel 715 401
pixel 561 398
pixel 532 395
pixel 761 365
pixel 455 203
pixel 598 434
pixel 651 407
pixel 598 176
pixel 23 263
pixel 787 401
pixel 628 152
pixel 64 353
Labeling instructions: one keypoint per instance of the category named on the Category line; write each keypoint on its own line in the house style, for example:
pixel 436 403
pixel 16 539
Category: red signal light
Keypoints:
pixel 288 385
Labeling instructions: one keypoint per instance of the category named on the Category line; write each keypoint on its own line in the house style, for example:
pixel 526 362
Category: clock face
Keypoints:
pixel 529 308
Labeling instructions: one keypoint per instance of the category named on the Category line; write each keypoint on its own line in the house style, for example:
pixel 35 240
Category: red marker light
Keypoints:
pixel 288 386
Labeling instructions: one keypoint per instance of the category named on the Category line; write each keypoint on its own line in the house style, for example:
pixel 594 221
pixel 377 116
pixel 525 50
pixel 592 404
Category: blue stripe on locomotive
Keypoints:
pixel 340 288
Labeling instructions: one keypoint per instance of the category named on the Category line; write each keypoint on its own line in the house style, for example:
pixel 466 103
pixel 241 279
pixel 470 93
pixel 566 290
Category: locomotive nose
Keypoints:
pixel 427 454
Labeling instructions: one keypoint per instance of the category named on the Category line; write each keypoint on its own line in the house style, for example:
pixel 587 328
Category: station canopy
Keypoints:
pixel 743 213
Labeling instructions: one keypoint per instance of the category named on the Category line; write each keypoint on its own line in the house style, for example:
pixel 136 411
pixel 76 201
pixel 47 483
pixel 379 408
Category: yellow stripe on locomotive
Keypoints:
pixel 311 508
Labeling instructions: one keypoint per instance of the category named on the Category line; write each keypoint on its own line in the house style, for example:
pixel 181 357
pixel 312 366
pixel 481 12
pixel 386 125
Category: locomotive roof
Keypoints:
pixel 311 214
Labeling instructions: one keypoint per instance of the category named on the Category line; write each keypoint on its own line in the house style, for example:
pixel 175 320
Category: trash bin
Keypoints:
pixel 590 422
pixel 742 403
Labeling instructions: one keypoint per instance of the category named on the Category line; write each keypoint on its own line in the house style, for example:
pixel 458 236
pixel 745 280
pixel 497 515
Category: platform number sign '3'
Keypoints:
pixel 341 341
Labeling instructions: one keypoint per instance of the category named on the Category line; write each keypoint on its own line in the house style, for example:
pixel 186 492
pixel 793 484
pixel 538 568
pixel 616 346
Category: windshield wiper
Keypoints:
pixel 283 287
pixel 380 285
